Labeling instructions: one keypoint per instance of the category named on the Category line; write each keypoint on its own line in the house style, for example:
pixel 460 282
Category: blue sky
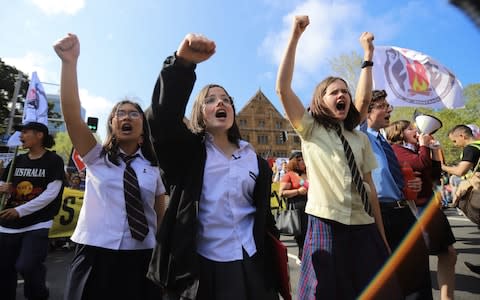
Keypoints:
pixel 123 43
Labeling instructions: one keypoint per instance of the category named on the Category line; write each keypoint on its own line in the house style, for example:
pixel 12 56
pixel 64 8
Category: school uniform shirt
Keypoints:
pixel 385 184
pixel 103 218
pixel 226 210
pixel 332 194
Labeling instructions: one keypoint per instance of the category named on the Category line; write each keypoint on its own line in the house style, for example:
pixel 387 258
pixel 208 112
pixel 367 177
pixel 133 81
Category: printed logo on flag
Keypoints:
pixel 415 79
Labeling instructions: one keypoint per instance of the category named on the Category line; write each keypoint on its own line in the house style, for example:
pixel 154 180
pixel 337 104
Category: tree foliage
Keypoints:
pixel 63 146
pixel 347 66
pixel 8 77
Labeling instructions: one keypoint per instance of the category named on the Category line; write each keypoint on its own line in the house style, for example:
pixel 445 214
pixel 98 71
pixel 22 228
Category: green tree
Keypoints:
pixel 63 146
pixel 8 77
pixel 347 66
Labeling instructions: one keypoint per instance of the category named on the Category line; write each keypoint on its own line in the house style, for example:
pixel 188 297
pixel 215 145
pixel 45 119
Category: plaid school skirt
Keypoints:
pixel 340 260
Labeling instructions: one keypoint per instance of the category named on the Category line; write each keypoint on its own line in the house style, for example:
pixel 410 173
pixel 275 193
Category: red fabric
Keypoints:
pixel 281 262
pixel 420 162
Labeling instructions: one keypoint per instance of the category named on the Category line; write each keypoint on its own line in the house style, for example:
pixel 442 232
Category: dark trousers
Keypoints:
pixel 24 253
pixel 413 272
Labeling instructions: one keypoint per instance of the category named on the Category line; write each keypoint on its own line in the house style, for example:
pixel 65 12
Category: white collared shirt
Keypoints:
pixel 226 210
pixel 103 219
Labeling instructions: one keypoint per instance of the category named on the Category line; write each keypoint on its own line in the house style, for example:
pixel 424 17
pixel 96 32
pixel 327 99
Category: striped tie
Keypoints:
pixel 133 202
pixel 356 177
pixel 393 164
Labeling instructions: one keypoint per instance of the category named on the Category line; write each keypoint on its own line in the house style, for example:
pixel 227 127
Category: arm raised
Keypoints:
pixel 68 49
pixel 291 103
pixel 363 93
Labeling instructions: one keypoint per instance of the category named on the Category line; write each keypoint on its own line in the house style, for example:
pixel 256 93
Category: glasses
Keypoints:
pixel 383 106
pixel 213 100
pixel 133 114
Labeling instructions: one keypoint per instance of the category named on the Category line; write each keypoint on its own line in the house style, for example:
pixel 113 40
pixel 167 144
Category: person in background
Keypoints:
pixel 462 136
pixel 294 187
pixel 214 240
pixel 345 244
pixel 34 197
pixel 413 272
pixel 274 171
pixel 75 182
pixel 123 201
pixel 419 151
pixel 280 171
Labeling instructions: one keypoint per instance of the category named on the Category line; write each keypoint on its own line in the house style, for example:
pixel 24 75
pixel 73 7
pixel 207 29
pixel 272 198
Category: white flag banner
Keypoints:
pixel 411 78
pixel 35 108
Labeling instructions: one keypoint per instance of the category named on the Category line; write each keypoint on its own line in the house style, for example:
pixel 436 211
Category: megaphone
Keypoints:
pixel 427 124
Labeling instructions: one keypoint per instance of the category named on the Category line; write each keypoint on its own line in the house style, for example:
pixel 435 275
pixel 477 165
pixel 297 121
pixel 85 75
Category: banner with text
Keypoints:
pixel 65 221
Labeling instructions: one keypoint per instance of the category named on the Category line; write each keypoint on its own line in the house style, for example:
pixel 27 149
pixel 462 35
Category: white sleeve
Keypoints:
pixel 42 200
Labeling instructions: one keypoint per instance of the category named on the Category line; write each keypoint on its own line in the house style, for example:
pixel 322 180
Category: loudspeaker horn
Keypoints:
pixel 427 124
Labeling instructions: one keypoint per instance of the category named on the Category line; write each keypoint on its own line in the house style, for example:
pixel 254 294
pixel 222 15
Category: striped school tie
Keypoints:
pixel 393 164
pixel 133 202
pixel 356 177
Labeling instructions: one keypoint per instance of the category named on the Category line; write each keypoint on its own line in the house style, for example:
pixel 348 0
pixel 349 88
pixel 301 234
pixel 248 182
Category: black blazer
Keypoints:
pixel 182 156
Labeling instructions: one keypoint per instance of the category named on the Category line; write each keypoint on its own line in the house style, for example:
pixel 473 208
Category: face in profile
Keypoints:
pixel 457 139
pixel 410 134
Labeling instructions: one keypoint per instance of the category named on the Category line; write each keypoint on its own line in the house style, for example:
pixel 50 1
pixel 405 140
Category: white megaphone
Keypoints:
pixel 427 124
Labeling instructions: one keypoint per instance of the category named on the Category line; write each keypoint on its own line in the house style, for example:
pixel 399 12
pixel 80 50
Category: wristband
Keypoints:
pixel 367 63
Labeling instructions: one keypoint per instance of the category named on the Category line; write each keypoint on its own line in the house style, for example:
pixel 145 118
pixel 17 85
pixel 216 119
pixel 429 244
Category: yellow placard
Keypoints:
pixel 65 221
pixel 274 196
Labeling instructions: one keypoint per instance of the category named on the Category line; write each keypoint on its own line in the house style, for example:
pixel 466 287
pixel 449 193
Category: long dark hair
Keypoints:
pixel 197 123
pixel 110 147
pixel 323 115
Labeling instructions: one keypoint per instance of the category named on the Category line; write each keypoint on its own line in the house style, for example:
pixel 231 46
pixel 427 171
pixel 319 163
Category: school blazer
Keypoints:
pixel 182 155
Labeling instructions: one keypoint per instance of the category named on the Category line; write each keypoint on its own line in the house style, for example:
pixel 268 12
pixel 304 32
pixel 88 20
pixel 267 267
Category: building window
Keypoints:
pixel 278 125
pixel 262 139
pixel 246 138
pixel 243 122
pixel 278 139
pixel 261 124
pixel 296 139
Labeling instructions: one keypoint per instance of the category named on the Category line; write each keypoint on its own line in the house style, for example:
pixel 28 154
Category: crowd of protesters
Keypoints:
pixel 213 238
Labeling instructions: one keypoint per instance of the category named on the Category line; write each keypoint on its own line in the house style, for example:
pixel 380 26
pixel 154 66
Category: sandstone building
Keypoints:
pixel 261 124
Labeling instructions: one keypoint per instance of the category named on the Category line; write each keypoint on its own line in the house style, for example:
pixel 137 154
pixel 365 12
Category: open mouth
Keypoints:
pixel 127 127
pixel 220 113
pixel 341 105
